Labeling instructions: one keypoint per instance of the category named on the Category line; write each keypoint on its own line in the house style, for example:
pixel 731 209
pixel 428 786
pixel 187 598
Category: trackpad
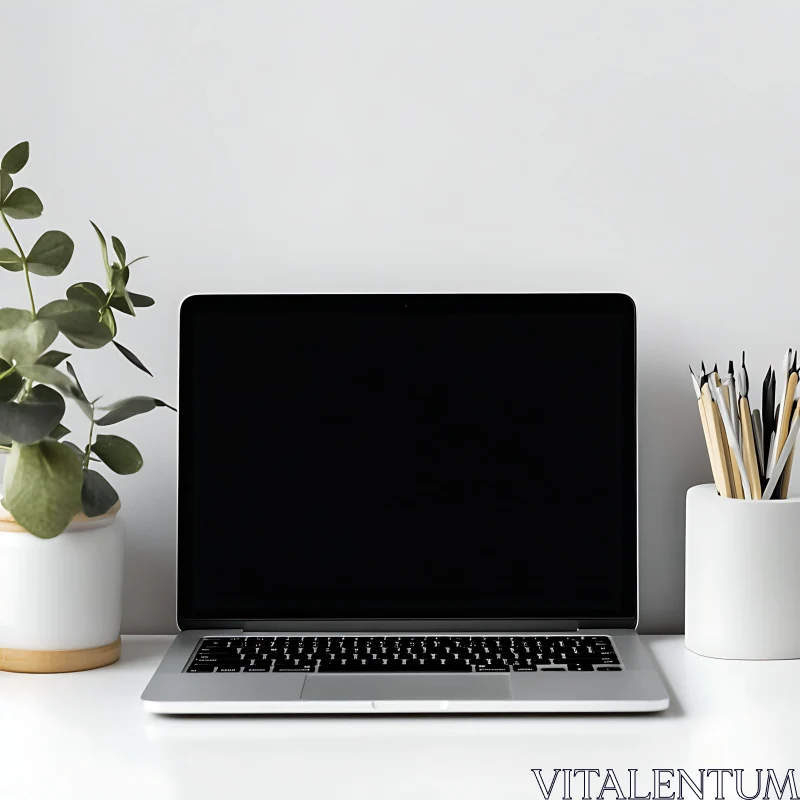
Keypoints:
pixel 406 687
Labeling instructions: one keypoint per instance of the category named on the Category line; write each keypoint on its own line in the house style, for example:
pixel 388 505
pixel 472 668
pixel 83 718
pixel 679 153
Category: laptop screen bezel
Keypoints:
pixel 193 454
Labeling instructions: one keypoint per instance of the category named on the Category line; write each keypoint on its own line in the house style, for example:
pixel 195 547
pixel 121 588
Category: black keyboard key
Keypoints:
pixel 437 653
pixel 339 666
pixel 609 669
pixel 298 668
pixel 580 668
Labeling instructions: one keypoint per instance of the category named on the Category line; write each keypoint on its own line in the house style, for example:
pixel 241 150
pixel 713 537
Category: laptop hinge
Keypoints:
pixel 408 625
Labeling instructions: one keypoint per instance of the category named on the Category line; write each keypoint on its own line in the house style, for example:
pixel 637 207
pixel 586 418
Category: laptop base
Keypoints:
pixel 636 688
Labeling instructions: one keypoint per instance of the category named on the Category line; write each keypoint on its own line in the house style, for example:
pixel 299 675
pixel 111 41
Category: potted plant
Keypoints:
pixel 60 535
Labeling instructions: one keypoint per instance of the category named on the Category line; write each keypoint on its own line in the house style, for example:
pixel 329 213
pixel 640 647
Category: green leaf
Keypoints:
pixel 59 432
pixel 117 454
pixel 16 158
pixel 10 260
pixel 78 322
pixel 130 407
pixel 11 384
pixel 118 281
pixel 108 320
pixel 133 358
pixel 103 249
pixel 33 420
pixel 41 373
pixel 52 358
pixel 90 294
pixel 75 450
pixel 23 203
pixel 119 249
pixel 97 494
pixel 51 254
pixel 74 375
pixel 6 185
pixel 121 304
pixel 141 300
pixel 52 377
pixel 42 487
pixel 23 338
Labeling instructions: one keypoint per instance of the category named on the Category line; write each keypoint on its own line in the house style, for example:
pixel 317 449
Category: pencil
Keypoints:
pixel 706 435
pixel 786 413
pixel 758 434
pixel 743 487
pixel 782 458
pixel 781 412
pixel 787 472
pixel 748 440
pixel 730 384
pixel 768 416
pixel 749 450
pixel 722 399
pixel 717 437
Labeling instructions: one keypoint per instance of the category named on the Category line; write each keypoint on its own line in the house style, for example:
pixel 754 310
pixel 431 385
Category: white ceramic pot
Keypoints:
pixel 60 598
pixel 742 578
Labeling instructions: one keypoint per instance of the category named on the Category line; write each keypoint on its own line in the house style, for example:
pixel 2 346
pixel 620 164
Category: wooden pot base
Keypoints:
pixel 59 660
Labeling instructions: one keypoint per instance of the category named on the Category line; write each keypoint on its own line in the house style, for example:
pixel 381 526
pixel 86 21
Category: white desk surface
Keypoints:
pixel 86 735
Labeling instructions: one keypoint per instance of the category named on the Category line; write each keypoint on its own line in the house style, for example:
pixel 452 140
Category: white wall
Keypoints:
pixel 448 145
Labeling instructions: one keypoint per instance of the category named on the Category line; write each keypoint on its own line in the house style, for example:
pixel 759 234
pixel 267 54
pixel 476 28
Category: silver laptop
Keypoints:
pixel 407 503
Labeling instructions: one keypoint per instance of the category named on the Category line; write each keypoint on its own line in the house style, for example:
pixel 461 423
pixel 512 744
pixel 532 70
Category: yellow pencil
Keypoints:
pixel 706 435
pixel 718 441
pixel 787 470
pixel 749 448
pixel 732 470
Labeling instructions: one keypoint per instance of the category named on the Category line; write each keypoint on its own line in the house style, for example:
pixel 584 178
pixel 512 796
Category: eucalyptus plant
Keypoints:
pixel 48 479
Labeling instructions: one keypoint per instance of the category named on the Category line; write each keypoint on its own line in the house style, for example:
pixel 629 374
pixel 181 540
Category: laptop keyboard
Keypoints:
pixel 405 654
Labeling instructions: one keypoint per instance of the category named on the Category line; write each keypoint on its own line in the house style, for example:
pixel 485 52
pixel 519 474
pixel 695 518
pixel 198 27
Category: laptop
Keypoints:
pixel 407 503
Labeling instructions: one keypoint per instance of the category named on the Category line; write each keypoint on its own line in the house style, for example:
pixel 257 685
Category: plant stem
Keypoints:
pixel 3 447
pixel 87 453
pixel 7 372
pixel 24 261
pixel 105 305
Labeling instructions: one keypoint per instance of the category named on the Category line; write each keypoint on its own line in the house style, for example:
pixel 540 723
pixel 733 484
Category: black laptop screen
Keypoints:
pixel 407 457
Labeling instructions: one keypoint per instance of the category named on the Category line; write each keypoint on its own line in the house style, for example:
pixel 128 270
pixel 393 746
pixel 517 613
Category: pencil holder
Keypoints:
pixel 742 576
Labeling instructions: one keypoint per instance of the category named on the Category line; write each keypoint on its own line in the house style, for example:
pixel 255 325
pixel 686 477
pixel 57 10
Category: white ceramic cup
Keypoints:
pixel 742 576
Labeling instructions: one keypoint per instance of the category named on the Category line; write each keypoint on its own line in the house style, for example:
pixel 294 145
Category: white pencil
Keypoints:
pixel 730 384
pixel 732 439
